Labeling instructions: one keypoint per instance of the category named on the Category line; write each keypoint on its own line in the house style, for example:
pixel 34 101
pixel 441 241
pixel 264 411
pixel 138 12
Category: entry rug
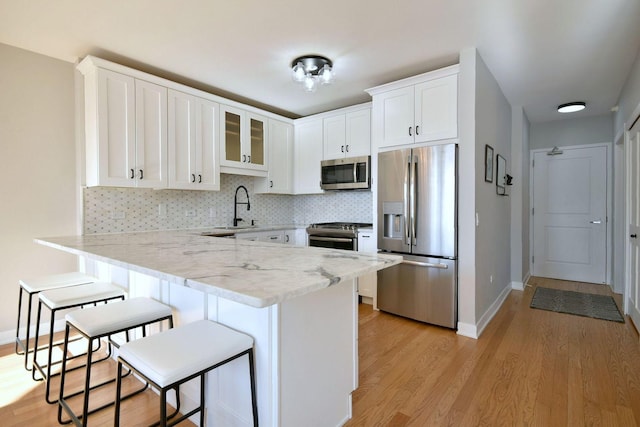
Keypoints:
pixel 579 303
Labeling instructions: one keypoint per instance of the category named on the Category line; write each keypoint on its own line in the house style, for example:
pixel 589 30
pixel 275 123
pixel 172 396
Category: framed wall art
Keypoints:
pixel 488 163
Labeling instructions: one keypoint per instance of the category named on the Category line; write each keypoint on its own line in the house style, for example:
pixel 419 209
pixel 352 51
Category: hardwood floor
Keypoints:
pixel 529 367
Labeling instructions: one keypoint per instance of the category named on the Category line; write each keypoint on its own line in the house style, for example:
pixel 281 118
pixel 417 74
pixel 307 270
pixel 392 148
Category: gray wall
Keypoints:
pixel 37 172
pixel 585 130
pixel 493 233
pixel 519 193
pixel 629 98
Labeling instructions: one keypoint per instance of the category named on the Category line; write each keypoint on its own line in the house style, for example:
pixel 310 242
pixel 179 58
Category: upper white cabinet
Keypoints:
pixel 307 156
pixel 279 178
pixel 126 130
pixel 418 109
pixel 347 134
pixel 193 142
pixel 243 145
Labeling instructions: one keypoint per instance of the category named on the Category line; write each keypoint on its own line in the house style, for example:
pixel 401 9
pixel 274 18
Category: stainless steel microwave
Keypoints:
pixel 351 173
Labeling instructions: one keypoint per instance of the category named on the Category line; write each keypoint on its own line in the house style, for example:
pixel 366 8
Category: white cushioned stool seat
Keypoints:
pixel 54 281
pixel 34 286
pixel 177 353
pixel 101 320
pixel 81 294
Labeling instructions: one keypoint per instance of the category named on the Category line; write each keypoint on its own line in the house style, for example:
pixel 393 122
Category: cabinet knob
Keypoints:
pixel 193 177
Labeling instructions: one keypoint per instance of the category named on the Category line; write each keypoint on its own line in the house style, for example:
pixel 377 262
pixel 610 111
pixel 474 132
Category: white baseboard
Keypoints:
pixel 474 331
pixel 9 336
pixel 517 286
pixel 467 330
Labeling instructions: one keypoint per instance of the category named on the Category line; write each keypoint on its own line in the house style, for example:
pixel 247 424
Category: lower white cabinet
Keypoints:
pixel 368 283
pixel 288 237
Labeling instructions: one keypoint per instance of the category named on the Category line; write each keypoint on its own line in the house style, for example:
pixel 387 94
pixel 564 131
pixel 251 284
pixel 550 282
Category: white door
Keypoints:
pixel 570 214
pixel 633 260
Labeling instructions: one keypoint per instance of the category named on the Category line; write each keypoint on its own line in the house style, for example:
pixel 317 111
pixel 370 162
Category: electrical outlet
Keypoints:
pixel 190 212
pixel 162 210
pixel 491 278
pixel 212 213
pixel 118 215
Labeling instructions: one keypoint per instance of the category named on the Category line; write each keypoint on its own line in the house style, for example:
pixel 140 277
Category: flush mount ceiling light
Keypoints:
pixel 571 107
pixel 312 71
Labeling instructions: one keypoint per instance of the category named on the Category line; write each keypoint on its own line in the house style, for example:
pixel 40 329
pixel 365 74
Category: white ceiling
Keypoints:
pixel 541 52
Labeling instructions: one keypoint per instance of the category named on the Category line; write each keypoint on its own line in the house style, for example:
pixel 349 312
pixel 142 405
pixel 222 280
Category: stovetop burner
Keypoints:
pixel 340 225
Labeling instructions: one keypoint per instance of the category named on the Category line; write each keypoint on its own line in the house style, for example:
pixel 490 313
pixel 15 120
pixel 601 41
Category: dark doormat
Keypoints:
pixel 579 303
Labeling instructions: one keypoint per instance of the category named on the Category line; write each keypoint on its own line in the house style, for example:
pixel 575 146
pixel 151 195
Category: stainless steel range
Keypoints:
pixel 335 235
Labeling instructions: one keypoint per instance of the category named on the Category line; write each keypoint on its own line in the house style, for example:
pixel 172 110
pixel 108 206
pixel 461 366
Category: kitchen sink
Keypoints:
pixel 237 227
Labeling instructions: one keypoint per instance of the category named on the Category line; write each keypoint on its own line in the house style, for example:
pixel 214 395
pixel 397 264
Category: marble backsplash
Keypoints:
pixel 112 210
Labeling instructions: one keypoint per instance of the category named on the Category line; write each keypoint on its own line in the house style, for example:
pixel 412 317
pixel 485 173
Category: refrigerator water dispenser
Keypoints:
pixel 393 220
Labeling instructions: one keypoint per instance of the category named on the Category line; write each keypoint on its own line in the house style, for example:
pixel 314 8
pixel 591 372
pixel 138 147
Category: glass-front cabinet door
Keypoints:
pixel 232 136
pixel 244 141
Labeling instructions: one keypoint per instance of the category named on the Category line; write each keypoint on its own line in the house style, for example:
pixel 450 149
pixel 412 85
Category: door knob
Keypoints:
pixel 597 221
pixel 633 236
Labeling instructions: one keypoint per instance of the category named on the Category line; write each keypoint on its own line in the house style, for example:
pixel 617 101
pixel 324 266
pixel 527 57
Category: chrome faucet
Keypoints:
pixel 236 220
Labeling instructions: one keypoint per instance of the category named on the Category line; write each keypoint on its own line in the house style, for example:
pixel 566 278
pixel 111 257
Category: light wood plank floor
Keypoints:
pixel 529 368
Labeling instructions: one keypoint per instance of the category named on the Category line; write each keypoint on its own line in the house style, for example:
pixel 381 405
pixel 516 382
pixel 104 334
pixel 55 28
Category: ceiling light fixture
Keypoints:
pixel 312 71
pixel 571 107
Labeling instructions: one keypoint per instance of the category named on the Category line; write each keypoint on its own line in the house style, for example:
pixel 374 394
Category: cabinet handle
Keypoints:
pixel 271 184
pixel 273 237
pixel 248 159
pixel 199 178
pixel 133 174
pixel 193 177
pixel 141 174
pixel 286 238
pixel 244 158
pixel 342 148
pixel 417 130
pixel 410 130
pixel 347 148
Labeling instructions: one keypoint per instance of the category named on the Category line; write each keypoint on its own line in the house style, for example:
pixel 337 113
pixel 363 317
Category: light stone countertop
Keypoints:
pixel 257 274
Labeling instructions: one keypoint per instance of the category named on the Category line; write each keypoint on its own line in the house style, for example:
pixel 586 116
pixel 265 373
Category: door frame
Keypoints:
pixel 627 214
pixel 608 196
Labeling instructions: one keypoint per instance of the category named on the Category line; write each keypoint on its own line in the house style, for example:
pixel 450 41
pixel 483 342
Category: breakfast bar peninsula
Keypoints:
pixel 298 303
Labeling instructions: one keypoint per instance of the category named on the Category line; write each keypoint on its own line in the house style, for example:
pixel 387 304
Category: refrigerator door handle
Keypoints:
pixel 407 199
pixel 426 264
pixel 414 196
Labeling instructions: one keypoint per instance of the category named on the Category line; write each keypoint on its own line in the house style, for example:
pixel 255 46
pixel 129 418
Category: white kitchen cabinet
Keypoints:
pixel 347 135
pixel 243 144
pixel 279 178
pixel 307 157
pixel 275 236
pixel 368 283
pixel 193 143
pixel 125 129
pixel 416 110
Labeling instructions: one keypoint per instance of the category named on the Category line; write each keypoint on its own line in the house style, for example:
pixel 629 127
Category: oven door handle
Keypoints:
pixel 331 239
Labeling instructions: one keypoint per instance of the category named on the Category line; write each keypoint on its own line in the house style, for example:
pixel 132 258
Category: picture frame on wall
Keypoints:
pixel 488 163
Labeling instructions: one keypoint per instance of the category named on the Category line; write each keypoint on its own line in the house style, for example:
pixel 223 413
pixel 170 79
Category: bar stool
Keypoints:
pixel 171 358
pixel 33 287
pixel 63 299
pixel 94 323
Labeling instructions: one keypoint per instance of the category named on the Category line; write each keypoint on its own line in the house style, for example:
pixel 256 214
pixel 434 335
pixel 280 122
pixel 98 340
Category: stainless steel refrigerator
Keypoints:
pixel 417 217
